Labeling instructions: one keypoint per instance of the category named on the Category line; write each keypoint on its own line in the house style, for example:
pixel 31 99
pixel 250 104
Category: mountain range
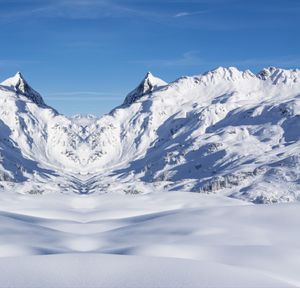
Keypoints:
pixel 226 131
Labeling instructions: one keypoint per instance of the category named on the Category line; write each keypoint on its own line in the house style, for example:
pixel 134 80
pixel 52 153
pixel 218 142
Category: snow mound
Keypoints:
pixel 82 271
pixel 157 240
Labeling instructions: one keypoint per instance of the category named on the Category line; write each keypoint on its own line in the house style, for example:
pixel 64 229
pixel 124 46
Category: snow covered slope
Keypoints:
pixel 227 131
pixel 156 240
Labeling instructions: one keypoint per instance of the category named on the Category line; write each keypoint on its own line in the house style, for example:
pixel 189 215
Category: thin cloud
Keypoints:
pixel 84 44
pixel 190 58
pixel 33 12
pixel 90 10
pixel 94 10
pixel 194 58
pixel 187 14
pixel 292 61
pixel 74 93
pixel 17 64
pixel 84 96
pixel 182 14
pixel 68 9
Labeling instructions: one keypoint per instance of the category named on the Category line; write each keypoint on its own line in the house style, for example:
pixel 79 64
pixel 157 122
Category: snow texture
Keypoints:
pixel 162 239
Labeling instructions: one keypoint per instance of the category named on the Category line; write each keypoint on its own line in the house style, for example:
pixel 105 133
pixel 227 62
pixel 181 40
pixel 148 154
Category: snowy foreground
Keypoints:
pixel 174 239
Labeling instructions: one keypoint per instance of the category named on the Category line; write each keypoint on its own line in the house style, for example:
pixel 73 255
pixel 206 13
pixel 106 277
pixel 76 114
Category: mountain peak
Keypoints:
pixel 271 74
pixel 148 84
pixel 14 81
pixel 20 85
pixel 278 75
pixel 265 73
pixel 228 73
pixel 148 74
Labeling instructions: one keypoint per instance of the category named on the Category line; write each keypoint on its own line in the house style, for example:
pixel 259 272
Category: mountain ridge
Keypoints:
pixel 225 131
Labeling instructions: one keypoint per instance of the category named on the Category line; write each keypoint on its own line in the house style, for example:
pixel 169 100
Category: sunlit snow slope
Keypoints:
pixel 227 131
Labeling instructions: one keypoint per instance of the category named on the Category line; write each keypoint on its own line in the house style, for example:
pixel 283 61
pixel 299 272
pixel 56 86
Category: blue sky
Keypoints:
pixel 84 56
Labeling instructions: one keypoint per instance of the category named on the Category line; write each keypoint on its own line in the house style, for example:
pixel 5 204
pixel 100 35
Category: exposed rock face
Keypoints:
pixel 20 85
pixel 148 85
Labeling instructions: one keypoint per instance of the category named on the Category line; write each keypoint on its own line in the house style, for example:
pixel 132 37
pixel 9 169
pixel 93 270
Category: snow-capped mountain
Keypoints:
pixel 19 85
pixel 148 85
pixel 225 131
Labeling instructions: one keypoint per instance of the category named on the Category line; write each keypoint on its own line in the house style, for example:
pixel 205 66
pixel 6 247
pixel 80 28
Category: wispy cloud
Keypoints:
pixel 72 9
pixel 195 58
pixel 4 63
pixel 84 96
pixel 84 44
pixel 190 58
pixel 291 61
pixel 82 99
pixel 32 12
pixel 113 9
pixel 187 14
pixel 92 10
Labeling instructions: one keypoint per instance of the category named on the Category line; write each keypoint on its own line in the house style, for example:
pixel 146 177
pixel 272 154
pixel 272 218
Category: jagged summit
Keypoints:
pixel 20 85
pixel 278 75
pixel 148 84
pixel 226 73
pixel 273 74
pixel 268 76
